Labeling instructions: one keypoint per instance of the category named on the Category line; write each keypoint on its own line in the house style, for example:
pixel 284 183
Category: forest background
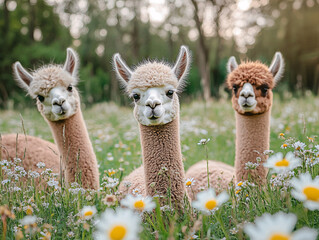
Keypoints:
pixel 37 32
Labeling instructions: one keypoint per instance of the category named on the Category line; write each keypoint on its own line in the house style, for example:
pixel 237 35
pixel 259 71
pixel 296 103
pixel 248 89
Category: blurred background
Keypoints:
pixel 37 32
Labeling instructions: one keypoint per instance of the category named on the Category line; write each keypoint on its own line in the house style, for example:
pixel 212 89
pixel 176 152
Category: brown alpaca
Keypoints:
pixel 153 87
pixel 59 103
pixel 252 84
pixel 30 150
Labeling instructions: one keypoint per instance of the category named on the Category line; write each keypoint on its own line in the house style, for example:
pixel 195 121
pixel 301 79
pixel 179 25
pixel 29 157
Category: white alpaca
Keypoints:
pixel 59 103
pixel 154 87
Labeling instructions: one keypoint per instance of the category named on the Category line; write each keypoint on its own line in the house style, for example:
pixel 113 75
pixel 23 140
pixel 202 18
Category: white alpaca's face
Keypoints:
pixel 60 103
pixel 155 106
pixel 53 86
pixel 247 99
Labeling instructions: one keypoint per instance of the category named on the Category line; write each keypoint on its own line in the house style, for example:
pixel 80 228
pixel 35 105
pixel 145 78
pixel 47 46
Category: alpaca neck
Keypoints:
pixel 163 165
pixel 252 137
pixel 78 158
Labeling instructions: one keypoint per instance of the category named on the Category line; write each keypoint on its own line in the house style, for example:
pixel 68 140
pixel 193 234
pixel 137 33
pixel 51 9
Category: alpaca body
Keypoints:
pixel 78 157
pixel 153 86
pixel 251 84
pixel 252 138
pixel 220 176
pixel 135 181
pixel 30 150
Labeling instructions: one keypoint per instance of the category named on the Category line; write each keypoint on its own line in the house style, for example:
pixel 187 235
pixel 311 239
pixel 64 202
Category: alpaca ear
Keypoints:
pixel 123 72
pixel 182 64
pixel 231 64
pixel 22 76
pixel 277 67
pixel 71 62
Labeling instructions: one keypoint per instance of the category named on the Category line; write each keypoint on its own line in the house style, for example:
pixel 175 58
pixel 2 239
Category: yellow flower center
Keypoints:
pixel 282 163
pixel 188 183
pixel 111 173
pixel 29 211
pixel 312 193
pixel 285 145
pixel 279 236
pixel 139 205
pixel 238 191
pixel 211 204
pixel 239 184
pixel 281 134
pixel 117 233
pixel 297 148
pixel 88 213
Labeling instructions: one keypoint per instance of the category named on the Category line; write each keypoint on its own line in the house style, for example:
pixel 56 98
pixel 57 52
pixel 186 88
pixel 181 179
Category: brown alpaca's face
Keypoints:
pixel 251 87
pixel 252 83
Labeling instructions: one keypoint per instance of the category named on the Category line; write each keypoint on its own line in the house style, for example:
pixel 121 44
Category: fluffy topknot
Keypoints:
pixel 255 73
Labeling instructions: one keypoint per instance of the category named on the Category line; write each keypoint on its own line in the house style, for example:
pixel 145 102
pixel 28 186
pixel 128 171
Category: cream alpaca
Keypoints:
pixel 252 84
pixel 154 87
pixel 59 103
pixel 30 150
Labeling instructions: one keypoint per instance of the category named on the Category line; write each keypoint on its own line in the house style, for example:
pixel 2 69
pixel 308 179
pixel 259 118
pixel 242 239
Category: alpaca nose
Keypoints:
pixel 153 103
pixel 59 101
pixel 246 94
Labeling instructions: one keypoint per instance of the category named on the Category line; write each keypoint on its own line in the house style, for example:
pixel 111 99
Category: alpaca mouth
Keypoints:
pixel 153 117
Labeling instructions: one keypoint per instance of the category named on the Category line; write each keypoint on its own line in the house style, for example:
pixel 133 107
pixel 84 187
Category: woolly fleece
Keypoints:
pixel 252 137
pixel 220 176
pixel 30 150
pixel 78 157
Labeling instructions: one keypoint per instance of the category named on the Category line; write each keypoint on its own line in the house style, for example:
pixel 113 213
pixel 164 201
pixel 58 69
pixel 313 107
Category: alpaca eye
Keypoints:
pixel 70 88
pixel 136 97
pixel 41 98
pixel 235 88
pixel 170 93
pixel 264 89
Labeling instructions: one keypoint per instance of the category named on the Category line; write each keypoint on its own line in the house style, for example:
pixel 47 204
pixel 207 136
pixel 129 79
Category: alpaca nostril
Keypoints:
pixel 153 105
pixel 246 94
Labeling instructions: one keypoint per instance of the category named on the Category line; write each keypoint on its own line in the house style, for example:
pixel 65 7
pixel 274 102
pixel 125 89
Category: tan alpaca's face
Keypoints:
pixel 153 86
pixel 53 86
pixel 252 83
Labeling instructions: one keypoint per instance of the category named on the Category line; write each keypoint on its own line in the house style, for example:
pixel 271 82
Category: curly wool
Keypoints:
pixel 48 77
pixel 152 74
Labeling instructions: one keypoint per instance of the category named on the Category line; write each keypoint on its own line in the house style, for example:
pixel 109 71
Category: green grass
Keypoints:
pixel 115 137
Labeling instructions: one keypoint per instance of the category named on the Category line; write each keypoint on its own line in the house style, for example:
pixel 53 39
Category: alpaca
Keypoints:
pixel 30 150
pixel 252 106
pixel 251 84
pixel 59 103
pixel 154 87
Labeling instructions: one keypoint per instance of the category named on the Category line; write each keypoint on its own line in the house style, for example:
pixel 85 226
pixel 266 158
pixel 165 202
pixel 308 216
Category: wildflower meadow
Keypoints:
pixel 38 205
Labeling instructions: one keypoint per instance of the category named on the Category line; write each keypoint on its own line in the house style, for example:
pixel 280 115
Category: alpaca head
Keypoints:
pixel 252 84
pixel 153 87
pixel 53 86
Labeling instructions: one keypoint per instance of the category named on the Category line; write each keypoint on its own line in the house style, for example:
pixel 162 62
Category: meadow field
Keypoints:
pixel 115 137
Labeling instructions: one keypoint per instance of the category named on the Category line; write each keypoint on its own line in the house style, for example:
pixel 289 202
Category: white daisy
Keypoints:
pixel 278 227
pixel 28 220
pixel 207 201
pixel 279 164
pixel 299 145
pixel 123 224
pixel 306 190
pixel 139 203
pixel 190 182
pixel 88 212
